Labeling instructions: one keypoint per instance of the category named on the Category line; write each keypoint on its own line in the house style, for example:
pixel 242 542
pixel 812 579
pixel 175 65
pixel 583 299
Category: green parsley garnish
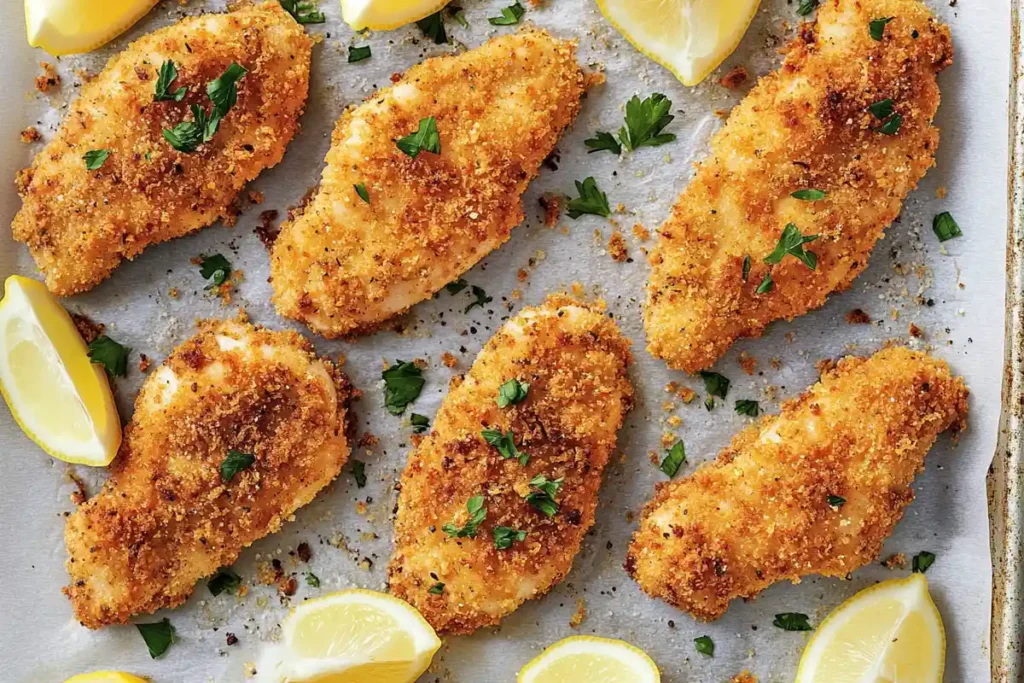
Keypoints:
pixel 792 621
pixel 312 580
pixel 766 284
pixel 944 227
pixel 882 109
pixel 433 27
pixel 512 392
pixel 674 460
pixel 746 267
pixel 303 11
pixel 359 472
pixel 361 191
pixel 224 580
pixel 188 135
pixel 477 514
pixel 158 636
pixel 110 354
pixel 456 13
pixel 892 126
pixel 510 16
pixel 601 142
pixel 792 242
pixel 715 384
pixel 95 158
pixel 425 139
pixel 645 121
pixel 235 462
pixel 806 7
pixel 223 91
pixel 705 645
pixel 480 298
pixel 922 561
pixel 877 27
pixel 216 267
pixel 436 589
pixel 504 536
pixel 403 383
pixel 591 200
pixel 543 498
pixel 505 443
pixel 165 78
pixel 835 501
pixel 747 407
pixel 454 288
pixel 358 54
pixel 419 423
pixel 808 195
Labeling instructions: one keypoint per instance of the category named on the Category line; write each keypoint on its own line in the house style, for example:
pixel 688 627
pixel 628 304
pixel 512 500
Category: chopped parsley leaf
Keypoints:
pixel 235 462
pixel 645 119
pixel 877 27
pixel 480 298
pixel 944 227
pixel 510 16
pixel 504 536
pixel 705 645
pixel 223 91
pixel 166 76
pixel 747 407
pixel 425 139
pixel 358 54
pixel 922 561
pixel 835 501
pixel 188 135
pixel 95 158
pixel 361 191
pixel 543 498
pixel 158 636
pixel 456 287
pixel 882 109
pixel 456 13
pixel 746 267
pixel 766 284
pixel 809 195
pixel 512 392
pixel 591 200
pixel 312 580
pixel 420 423
pixel 792 621
pixel 403 383
pixel 715 384
pixel 806 7
pixel 216 267
pixel 110 354
pixel 601 142
pixel 436 589
pixel 792 243
pixel 477 514
pixel 303 11
pixel 359 472
pixel 674 460
pixel 505 444
pixel 224 580
pixel 433 27
pixel 709 403
pixel 892 126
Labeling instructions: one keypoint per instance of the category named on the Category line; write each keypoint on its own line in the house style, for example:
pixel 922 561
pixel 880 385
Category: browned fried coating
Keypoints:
pixel 761 513
pixel 805 126
pixel 345 265
pixel 80 224
pixel 574 359
pixel 166 518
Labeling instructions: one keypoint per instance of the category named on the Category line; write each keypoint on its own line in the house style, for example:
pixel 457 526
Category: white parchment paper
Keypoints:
pixel 963 281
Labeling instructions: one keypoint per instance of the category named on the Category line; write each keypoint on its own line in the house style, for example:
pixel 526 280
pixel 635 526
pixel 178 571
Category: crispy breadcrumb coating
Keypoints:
pixel 805 126
pixel 165 518
pixel 574 359
pixel 345 265
pixel 80 224
pixel 761 512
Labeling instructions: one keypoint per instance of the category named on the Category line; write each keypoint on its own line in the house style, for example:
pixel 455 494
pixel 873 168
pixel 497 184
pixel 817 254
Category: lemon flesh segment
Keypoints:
pixel 64 27
pixel 353 636
pixel 59 397
pixel 889 632
pixel 384 15
pixel 688 37
pixel 106 677
pixel 590 659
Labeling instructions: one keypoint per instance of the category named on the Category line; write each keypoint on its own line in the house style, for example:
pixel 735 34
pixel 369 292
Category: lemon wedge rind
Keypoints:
pixel 385 15
pixel 64 27
pixel 106 677
pixel 580 657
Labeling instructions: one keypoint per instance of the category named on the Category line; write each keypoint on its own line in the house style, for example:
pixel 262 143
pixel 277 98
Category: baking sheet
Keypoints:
pixel 345 525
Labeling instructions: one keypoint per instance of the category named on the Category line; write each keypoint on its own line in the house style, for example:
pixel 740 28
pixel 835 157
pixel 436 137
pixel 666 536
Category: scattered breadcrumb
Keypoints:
pixel 915 331
pixel 552 205
pixel 736 77
pixel 897 561
pixel 448 360
pixel 748 363
pixel 79 495
pixel 858 317
pixel 940 192
pixel 49 78
pixel 30 135
pixel 825 365
pixel 668 438
pixel 579 615
pixel 745 677
pixel 368 440
pixel 88 328
pixel 144 362
pixel 255 197
pixel 641 233
pixel 265 230
pixel 617 247
pixel 304 552
pixel 287 586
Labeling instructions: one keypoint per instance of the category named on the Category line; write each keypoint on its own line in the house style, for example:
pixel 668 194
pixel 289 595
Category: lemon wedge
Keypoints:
pixel 64 27
pixel 106 677
pixel 384 15
pixel 888 632
pixel 57 395
pixel 688 37
pixel 590 659
pixel 353 636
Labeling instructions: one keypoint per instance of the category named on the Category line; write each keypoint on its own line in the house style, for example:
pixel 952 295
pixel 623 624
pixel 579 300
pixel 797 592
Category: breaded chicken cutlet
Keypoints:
pixel 846 123
pixel 388 228
pixel 495 502
pixel 813 490
pixel 238 429
pixel 80 218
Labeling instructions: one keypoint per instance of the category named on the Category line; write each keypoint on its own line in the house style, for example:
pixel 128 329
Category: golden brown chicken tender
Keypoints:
pixel 846 115
pixel 813 490
pixel 386 230
pixel 238 429
pixel 80 224
pixel 531 462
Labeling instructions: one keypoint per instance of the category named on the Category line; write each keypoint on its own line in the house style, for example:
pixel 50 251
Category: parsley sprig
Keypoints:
pixel 235 462
pixel 215 268
pixel 791 242
pixel 111 355
pixel 512 392
pixel 166 76
pixel 158 636
pixel 303 11
pixel 591 200
pixel 505 444
pixel 645 121
pixel 510 16
pixel 223 94
pixel 477 515
pixel 403 383
pixel 224 581
pixel 504 536
pixel 433 27
pixel 543 499
pixel 674 460
pixel 95 158
pixel 425 139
